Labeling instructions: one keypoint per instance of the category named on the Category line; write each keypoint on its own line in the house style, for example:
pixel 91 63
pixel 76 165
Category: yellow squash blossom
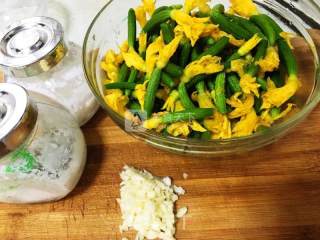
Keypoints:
pixel 270 84
pixel 141 16
pixel 246 126
pixel 133 59
pixel 219 125
pixel 142 42
pixel 205 65
pixel 249 85
pixel 152 123
pixel 205 100
pixel 167 52
pixel 124 47
pixel 270 62
pixel 249 45
pixel 178 31
pixel 202 5
pixel 209 30
pixel 149 6
pixel 241 107
pixel 178 107
pixel 287 37
pixel 245 8
pixel 278 96
pixel 267 120
pixel 170 104
pixel 192 27
pixel 232 40
pixel 152 54
pixel 112 57
pixel 184 128
pixel 140 92
pixel 117 101
pixel 110 65
pixel 238 66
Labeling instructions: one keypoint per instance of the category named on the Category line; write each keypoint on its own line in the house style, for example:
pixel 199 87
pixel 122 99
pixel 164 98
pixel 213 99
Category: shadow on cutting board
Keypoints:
pixel 96 152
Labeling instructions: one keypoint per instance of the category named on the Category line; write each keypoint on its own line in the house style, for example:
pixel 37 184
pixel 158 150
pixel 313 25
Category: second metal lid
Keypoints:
pixel 18 116
pixel 32 46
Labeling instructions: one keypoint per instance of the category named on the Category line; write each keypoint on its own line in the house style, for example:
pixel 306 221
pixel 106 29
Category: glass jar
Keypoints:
pixel 36 57
pixel 42 149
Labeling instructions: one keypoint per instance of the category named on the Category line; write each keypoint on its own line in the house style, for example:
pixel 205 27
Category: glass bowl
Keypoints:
pixel 109 29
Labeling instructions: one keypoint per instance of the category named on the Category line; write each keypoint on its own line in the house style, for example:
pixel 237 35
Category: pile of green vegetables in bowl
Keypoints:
pixel 201 71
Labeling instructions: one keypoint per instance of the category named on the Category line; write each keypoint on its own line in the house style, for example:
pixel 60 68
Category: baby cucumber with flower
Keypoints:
pixel 202 72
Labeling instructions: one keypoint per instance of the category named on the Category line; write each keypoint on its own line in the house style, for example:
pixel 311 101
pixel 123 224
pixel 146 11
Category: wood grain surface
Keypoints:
pixel 269 194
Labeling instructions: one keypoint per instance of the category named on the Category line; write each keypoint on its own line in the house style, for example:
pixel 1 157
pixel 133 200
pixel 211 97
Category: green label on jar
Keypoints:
pixel 22 161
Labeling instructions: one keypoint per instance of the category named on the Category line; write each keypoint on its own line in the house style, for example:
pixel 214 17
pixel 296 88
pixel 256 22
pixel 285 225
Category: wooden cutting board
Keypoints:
pixel 269 194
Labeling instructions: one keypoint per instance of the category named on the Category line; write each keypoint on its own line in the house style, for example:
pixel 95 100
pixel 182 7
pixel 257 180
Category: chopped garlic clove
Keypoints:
pixel 182 212
pixel 178 190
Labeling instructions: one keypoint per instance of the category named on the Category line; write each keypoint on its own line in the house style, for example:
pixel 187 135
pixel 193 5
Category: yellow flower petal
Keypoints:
pixel 209 30
pixel 179 129
pixel 178 31
pixel 238 66
pixel 192 27
pixel 111 66
pixel 205 100
pixel 245 8
pixel 117 101
pixel 266 119
pixel 248 85
pixel 133 59
pixel 219 125
pixel 249 45
pixel 241 107
pixel 141 16
pixel 285 112
pixel 184 128
pixel 195 126
pixel 246 126
pixel 167 52
pixel 271 61
pixel 178 106
pixel 288 36
pixel 152 54
pixel 189 5
pixel 232 40
pixel 202 5
pixel 142 42
pixel 149 6
pixel 205 65
pixel 278 96
pixel 152 123
pixel 124 47
pixel 170 104
pixel 270 84
pixel 140 92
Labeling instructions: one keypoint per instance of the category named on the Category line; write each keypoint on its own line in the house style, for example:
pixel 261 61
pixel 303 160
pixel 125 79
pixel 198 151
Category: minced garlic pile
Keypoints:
pixel 147 204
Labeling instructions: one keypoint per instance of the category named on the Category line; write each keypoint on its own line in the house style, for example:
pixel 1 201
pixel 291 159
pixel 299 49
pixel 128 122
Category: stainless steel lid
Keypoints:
pixel 18 116
pixel 32 46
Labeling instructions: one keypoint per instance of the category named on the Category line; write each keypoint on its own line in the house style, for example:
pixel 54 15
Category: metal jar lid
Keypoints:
pixel 32 46
pixel 18 117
